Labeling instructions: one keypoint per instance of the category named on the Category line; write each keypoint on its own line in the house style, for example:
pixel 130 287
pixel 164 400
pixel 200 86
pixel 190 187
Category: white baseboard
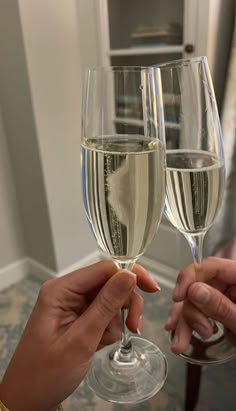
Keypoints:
pixel 40 271
pixel 91 258
pixel 18 270
pixel 44 273
pixel 164 274
pixel 14 272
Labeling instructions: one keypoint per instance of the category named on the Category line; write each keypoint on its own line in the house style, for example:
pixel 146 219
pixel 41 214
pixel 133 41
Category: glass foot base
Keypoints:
pixel 128 382
pixel 212 351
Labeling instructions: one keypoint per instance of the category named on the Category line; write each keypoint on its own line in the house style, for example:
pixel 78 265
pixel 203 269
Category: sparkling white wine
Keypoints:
pixel 124 191
pixel 194 189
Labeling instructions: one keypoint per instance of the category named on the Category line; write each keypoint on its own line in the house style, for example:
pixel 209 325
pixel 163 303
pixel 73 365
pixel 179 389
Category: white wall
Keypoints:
pixel 214 30
pixel 40 91
pixel 21 137
pixel 52 40
pixel 12 245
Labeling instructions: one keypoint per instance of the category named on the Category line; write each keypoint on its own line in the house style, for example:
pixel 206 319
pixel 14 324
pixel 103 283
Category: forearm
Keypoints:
pixel 3 408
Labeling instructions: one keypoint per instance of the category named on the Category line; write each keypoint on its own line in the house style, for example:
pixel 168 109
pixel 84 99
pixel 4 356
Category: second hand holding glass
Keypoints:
pixel 123 179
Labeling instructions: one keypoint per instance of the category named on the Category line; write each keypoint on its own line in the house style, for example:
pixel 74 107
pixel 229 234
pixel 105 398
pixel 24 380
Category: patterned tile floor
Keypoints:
pixel 218 384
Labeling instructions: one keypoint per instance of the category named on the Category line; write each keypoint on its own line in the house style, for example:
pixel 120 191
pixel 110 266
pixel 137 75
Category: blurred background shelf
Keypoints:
pixel 144 33
pixel 139 123
pixel 129 121
pixel 147 50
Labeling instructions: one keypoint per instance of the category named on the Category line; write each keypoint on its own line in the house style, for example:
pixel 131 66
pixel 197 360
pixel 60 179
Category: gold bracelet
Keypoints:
pixel 3 408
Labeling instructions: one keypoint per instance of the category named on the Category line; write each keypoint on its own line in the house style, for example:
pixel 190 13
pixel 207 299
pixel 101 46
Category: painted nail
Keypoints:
pixel 140 325
pixel 126 282
pixel 130 273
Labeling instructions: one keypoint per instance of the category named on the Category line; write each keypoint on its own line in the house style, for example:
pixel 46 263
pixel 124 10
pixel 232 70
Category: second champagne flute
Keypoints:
pixel 123 179
pixel 195 175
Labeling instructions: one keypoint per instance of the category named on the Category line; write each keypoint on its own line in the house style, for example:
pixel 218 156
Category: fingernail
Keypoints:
pixel 202 330
pixel 158 288
pixel 200 294
pixel 140 325
pixel 128 281
pixel 129 272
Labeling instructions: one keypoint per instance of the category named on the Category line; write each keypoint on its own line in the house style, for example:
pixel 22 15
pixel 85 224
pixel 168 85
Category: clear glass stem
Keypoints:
pixel 125 340
pixel 196 245
pixel 125 351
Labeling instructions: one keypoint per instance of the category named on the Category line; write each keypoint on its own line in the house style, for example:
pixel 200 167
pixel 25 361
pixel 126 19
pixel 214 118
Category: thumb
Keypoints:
pixel 213 304
pixel 106 305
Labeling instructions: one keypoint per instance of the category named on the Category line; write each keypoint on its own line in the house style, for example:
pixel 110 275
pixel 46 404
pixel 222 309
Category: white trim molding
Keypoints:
pixel 14 272
pixel 20 269
pixel 43 273
pixel 40 271
pixel 91 258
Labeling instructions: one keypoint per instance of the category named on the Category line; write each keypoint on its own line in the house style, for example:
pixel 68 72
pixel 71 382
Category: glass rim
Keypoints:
pixel 125 68
pixel 181 62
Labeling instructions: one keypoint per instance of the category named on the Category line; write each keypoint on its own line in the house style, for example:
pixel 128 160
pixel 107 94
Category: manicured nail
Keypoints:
pixel 200 294
pixel 154 283
pixel 140 325
pixel 130 273
pixel 127 282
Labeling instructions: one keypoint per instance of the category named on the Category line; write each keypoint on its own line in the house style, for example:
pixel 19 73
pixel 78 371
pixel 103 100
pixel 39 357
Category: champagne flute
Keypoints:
pixel 195 175
pixel 123 179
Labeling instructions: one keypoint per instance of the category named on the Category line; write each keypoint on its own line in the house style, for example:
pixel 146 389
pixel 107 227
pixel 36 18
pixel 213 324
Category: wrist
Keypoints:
pixel 11 399
pixel 10 402
pixel 4 408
